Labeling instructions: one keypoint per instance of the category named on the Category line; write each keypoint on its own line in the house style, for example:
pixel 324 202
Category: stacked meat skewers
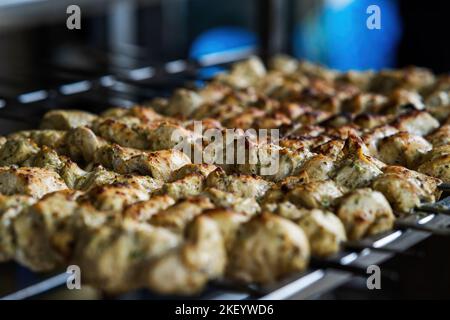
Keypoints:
pixel 113 194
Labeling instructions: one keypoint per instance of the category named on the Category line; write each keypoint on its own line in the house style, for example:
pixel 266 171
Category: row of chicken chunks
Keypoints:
pixel 111 193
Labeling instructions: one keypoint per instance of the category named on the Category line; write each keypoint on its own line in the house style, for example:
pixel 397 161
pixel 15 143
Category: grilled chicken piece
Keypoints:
pixel 34 182
pixel 55 139
pixel 82 144
pixel 403 149
pixel 115 157
pixel 365 212
pixel 144 183
pixel 244 120
pixel 272 162
pixel 438 167
pixel 284 64
pixel 114 197
pixel 241 185
pixel 2 141
pixel 373 137
pixel 244 74
pixel 228 222
pixel 371 121
pixel 222 112
pixel 223 199
pixel 188 186
pixel 183 103
pixel 179 215
pixel 440 137
pixel 437 163
pixel 97 176
pixel 142 211
pixel 266 249
pixel 117 131
pixel 187 269
pixel 406 189
pixel 44 231
pixel 214 92
pixel 365 102
pixel 142 114
pixel 319 194
pixel 277 193
pixel 317 168
pixel 356 170
pixel 418 123
pixel 10 208
pixel 403 101
pixel 113 255
pixel 428 184
pixel 169 135
pixel 159 165
pixel 332 149
pixel 204 169
pixel 17 151
pixel 66 119
pixel 48 158
pixel 324 230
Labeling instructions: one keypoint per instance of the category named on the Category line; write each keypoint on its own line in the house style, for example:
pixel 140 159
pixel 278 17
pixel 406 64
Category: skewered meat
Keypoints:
pixel 204 169
pixel 319 194
pixel 144 210
pixel 241 185
pixel 324 230
pixel 373 137
pixel 223 199
pixel 418 123
pixel 244 74
pixel 403 149
pixel 66 119
pixel 436 163
pixel 356 170
pixel 34 182
pixel 228 222
pixel 187 186
pixel 179 215
pixel 114 197
pixel 267 248
pixel 159 164
pixel 365 212
pixel 317 168
pixel 10 208
pixel 406 189
pixel 17 151
pixel 187 269
pixel 113 254
pixel 148 215
pixel 51 138
pixel 44 234
pixel 440 137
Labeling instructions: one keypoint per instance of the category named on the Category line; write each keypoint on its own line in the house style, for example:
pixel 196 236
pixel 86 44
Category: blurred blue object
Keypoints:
pixel 215 45
pixel 337 35
pixel 222 39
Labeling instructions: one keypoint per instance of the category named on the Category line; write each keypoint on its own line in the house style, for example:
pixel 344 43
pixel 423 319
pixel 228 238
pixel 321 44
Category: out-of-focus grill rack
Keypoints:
pixel 94 91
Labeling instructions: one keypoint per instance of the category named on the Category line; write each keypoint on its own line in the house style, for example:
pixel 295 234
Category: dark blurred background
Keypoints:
pixel 117 33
